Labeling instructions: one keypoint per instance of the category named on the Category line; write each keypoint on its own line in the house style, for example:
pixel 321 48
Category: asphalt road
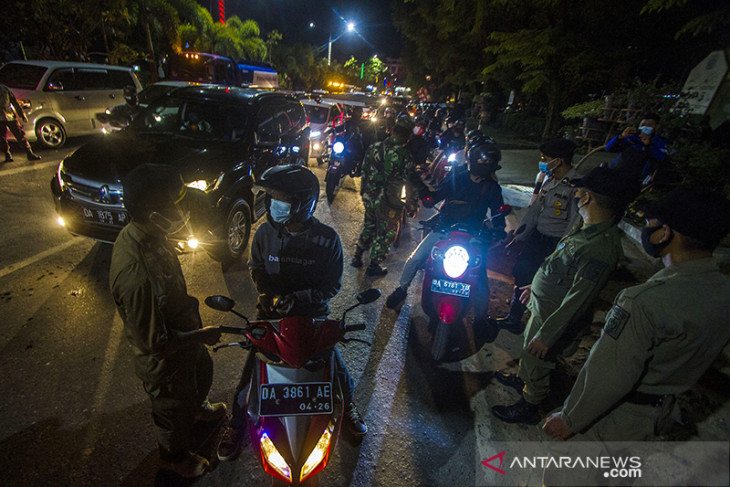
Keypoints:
pixel 73 413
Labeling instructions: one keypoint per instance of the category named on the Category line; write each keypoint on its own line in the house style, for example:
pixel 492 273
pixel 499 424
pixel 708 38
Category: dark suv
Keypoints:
pixel 221 138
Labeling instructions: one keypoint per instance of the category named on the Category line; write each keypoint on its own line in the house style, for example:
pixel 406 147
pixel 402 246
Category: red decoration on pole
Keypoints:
pixel 222 11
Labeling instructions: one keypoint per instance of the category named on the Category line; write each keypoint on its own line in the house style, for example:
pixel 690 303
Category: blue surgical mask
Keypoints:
pixel 280 211
pixel 543 166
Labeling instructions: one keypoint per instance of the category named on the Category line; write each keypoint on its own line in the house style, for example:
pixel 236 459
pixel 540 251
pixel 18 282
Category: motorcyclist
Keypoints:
pixel 453 137
pixel 355 139
pixel 296 265
pixel 478 188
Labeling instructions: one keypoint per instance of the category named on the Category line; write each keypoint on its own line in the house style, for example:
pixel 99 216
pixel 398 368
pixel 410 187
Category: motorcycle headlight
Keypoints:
pixel 274 458
pixel 338 147
pixel 456 260
pixel 314 134
pixel 319 453
pixel 452 157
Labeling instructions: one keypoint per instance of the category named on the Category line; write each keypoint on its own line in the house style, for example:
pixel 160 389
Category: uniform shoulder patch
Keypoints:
pixel 616 321
pixel 594 270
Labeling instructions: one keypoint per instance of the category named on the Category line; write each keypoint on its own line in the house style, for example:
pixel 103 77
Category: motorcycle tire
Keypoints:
pixel 331 187
pixel 440 339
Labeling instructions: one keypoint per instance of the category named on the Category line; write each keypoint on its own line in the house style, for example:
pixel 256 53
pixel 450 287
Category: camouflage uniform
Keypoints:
pixel 386 168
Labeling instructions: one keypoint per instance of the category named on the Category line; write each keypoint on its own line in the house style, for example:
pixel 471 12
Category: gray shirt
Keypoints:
pixel 659 338
pixel 554 211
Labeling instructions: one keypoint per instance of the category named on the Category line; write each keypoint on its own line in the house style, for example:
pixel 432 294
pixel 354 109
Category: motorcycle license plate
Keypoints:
pixel 295 399
pixel 461 289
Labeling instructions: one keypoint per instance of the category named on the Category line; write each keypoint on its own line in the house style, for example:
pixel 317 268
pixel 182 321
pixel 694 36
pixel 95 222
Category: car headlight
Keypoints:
pixel 314 134
pixel 205 184
pixel 338 147
pixel 274 458
pixel 59 176
pixel 456 260
pixel 319 453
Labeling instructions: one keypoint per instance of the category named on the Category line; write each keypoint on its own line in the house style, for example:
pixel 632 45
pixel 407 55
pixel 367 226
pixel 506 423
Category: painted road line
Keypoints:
pixel 390 367
pixel 33 167
pixel 40 256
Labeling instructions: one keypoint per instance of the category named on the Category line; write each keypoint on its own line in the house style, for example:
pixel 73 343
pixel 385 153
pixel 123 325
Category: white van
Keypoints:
pixel 321 115
pixel 61 99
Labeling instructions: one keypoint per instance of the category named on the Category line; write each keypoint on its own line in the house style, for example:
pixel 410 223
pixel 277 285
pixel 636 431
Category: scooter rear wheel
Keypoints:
pixel 440 339
pixel 331 187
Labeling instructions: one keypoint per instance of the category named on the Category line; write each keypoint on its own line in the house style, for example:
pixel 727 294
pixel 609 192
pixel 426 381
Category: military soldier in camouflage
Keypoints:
pixel 387 167
pixel 660 336
pixel 564 287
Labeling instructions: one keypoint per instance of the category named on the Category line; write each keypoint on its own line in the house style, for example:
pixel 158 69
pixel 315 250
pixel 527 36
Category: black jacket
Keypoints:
pixel 306 266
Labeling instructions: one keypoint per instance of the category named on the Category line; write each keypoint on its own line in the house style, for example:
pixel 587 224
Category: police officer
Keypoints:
pixel 161 320
pixel 547 220
pixel 10 111
pixel 660 336
pixel 296 265
pixel 564 287
pixel 481 193
pixel 386 168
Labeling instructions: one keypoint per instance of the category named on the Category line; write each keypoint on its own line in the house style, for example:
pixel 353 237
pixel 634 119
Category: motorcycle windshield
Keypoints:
pixel 298 339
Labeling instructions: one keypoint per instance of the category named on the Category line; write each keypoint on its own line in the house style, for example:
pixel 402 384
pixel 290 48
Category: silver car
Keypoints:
pixel 61 99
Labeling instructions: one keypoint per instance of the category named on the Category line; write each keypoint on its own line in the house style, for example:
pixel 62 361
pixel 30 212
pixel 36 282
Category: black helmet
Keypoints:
pixel 475 137
pixel 483 158
pixel 291 184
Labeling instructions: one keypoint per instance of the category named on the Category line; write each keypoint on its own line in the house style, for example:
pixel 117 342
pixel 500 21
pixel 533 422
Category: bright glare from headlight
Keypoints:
pixel 200 184
pixel 318 454
pixel 316 146
pixel 452 157
pixel 338 148
pixel 456 260
pixel 61 222
pixel 315 133
pixel 193 243
pixel 274 458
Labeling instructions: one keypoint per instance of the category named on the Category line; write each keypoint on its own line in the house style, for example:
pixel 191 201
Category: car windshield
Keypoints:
pixel 21 76
pixel 150 93
pixel 317 114
pixel 199 119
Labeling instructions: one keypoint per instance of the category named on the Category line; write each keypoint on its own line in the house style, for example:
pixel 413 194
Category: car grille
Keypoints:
pixel 100 194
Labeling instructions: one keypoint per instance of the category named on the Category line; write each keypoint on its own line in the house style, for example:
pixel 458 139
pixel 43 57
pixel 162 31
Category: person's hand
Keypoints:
pixel 627 131
pixel 284 305
pixel 427 202
pixel 514 248
pixel 556 427
pixel 210 335
pixel 537 348
pixel 266 301
pixel 525 296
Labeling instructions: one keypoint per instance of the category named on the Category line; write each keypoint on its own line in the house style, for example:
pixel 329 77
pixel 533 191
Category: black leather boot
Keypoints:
pixel 357 258
pixel 520 412
pixel 513 321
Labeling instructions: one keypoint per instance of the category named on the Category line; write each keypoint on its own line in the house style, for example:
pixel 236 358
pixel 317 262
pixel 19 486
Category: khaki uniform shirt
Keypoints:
pixel 554 211
pixel 659 338
pixel 572 276
pixel 149 290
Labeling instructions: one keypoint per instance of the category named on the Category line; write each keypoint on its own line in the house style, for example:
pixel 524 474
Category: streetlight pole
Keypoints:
pixel 329 51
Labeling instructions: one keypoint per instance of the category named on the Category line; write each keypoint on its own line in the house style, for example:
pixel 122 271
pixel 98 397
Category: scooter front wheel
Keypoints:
pixel 440 339
pixel 331 187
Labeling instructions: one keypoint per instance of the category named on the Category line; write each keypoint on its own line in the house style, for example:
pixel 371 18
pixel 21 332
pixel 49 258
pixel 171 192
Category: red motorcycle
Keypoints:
pixel 455 274
pixel 294 403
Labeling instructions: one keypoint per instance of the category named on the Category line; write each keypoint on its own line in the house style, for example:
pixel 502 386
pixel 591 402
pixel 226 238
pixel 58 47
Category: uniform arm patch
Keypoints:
pixel 594 270
pixel 616 321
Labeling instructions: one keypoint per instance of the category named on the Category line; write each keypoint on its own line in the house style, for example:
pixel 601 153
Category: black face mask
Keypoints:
pixel 650 248
pixel 480 170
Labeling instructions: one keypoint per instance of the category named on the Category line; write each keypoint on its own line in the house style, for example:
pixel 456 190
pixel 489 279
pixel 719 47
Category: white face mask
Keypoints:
pixel 280 211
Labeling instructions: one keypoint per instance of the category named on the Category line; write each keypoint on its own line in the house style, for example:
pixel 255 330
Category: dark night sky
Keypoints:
pixel 292 18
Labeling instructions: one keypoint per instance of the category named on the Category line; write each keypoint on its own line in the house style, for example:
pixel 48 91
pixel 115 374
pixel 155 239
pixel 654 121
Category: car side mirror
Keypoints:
pixel 220 303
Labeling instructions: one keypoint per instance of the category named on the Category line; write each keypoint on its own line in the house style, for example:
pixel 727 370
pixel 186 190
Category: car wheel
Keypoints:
pixel 237 232
pixel 50 133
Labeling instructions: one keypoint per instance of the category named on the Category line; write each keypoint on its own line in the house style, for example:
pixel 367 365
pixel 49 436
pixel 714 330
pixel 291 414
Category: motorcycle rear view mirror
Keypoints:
pixel 220 303
pixel 505 209
pixel 369 296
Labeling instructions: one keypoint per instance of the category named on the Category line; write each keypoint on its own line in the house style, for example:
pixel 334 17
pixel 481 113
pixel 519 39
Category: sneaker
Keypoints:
pixel 230 446
pixel 396 298
pixel 374 269
pixel 521 412
pixel 211 412
pixel 510 380
pixel 33 157
pixel 355 424
pixel 193 466
pixel 8 157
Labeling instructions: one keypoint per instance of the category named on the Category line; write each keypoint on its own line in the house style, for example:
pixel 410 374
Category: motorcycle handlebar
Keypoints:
pixel 232 329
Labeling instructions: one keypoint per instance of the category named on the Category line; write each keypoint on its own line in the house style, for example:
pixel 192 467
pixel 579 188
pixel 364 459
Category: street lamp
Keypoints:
pixel 350 28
